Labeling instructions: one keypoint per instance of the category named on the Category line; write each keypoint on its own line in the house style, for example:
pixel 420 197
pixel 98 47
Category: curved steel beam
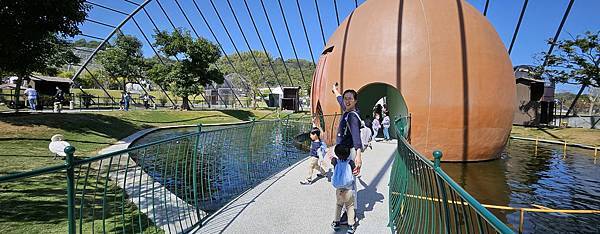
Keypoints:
pixel 89 59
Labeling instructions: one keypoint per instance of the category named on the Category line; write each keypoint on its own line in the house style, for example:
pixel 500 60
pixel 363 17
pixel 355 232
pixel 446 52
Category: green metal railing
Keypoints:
pixel 424 199
pixel 170 185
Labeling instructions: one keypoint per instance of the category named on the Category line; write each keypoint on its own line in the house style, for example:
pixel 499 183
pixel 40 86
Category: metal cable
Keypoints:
pixel 220 45
pixel 175 28
pixel 100 23
pixel 262 44
pixel 276 43
pixel 198 36
pixel 107 8
pixel 337 16
pixel 320 23
pixel 291 40
pixel 487 3
pixel 248 45
pixel 306 34
pixel 557 34
pixel 90 36
pixel 514 37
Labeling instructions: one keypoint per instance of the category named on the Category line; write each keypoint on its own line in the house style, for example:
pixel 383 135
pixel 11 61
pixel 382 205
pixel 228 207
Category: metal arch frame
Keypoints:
pixel 107 38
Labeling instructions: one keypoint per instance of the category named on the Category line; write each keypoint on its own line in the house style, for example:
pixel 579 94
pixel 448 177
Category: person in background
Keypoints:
pixel 126 100
pixel 31 97
pixel 146 99
pixel 59 97
pixel 386 126
pixel 376 126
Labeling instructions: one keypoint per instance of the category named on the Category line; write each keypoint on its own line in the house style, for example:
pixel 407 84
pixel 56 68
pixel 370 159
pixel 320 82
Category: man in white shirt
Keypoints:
pixel 31 97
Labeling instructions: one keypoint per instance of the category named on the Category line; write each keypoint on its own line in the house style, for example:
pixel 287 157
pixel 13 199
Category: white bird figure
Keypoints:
pixel 58 145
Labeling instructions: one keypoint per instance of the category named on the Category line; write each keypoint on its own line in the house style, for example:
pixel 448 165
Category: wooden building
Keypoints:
pixel 535 98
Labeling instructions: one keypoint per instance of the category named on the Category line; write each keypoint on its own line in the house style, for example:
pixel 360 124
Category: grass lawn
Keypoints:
pixel 38 205
pixel 572 135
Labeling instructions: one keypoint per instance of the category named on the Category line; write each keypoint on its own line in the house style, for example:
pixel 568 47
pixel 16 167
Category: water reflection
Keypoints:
pixel 231 159
pixel 522 178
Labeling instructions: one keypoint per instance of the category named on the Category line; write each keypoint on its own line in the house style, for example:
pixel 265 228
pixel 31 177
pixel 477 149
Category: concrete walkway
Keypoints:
pixel 281 205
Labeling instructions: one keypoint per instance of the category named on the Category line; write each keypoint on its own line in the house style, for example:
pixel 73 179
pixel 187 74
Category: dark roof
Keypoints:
pixel 51 79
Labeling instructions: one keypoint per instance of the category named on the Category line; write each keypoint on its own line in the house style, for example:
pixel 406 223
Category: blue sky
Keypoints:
pixel 540 22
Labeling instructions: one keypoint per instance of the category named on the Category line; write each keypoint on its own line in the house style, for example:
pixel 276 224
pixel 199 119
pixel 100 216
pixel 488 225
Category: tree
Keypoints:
pixel 92 44
pixel 124 60
pixel 194 68
pixel 35 36
pixel 577 61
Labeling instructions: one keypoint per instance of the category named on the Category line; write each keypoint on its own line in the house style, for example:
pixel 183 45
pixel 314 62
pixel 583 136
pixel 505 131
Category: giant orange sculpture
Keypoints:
pixel 439 60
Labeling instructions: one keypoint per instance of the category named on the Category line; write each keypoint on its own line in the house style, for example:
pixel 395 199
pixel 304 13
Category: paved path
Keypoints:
pixel 281 205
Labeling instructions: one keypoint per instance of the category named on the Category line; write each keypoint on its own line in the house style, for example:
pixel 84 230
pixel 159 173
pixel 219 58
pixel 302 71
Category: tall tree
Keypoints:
pixel 195 66
pixel 577 61
pixel 124 60
pixel 35 36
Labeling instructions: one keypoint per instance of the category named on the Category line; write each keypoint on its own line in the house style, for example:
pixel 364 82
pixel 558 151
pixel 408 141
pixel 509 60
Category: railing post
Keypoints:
pixel 70 150
pixel 195 173
pixel 437 158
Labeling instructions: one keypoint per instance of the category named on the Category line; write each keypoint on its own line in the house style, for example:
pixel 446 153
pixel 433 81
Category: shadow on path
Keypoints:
pixel 368 196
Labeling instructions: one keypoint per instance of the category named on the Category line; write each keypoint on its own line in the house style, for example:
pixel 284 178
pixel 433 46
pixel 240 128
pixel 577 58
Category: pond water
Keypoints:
pixel 231 159
pixel 522 178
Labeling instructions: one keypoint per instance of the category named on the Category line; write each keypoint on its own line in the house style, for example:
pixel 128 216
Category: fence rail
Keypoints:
pixel 169 185
pixel 424 199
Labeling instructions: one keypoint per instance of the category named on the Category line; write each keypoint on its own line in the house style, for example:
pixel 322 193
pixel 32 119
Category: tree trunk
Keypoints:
pixel 575 100
pixel 185 105
pixel 254 100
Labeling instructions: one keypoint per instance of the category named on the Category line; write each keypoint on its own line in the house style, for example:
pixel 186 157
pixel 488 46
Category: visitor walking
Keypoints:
pixel 344 182
pixel 386 126
pixel 376 126
pixel 365 136
pixel 31 97
pixel 146 99
pixel 59 97
pixel 126 100
pixel 317 151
